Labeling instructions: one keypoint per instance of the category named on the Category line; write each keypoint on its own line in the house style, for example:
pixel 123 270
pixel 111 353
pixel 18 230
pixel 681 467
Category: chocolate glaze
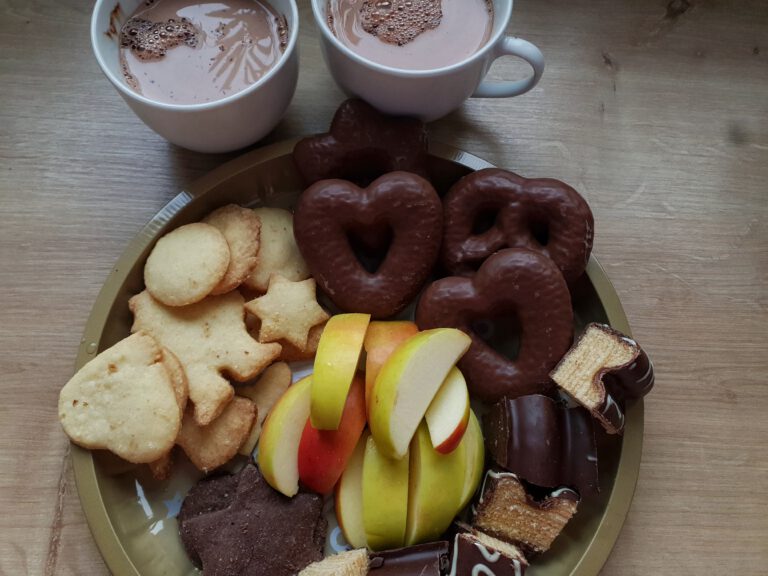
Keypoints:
pixel 422 560
pixel 471 557
pixel 361 145
pixel 544 215
pixel 252 530
pixel 543 442
pixel 509 512
pixel 615 386
pixel 517 281
pixel 331 211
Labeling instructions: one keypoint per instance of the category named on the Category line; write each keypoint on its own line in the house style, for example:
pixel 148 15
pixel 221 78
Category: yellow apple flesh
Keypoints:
pixel 349 497
pixel 385 498
pixel 448 414
pixel 338 354
pixel 473 472
pixel 382 338
pixel 407 384
pixel 436 484
pixel 280 437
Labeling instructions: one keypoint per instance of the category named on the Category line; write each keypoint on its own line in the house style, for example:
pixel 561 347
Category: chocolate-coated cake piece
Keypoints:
pixel 476 553
pixel 421 560
pixel 544 442
pixel 602 371
pixel 259 532
pixel 507 512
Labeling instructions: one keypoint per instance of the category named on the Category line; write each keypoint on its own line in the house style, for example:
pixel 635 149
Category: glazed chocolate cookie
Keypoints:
pixel 249 529
pixel 493 209
pixel 517 283
pixel 602 371
pixel 361 145
pixel 543 442
pixel 341 230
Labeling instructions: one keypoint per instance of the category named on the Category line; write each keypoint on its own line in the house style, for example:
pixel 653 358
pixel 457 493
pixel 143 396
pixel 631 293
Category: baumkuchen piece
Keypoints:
pixel 398 216
pixel 249 529
pixel 475 554
pixel 361 145
pixel 514 282
pixel 543 442
pixel 507 512
pixel 493 209
pixel 603 370
pixel 421 560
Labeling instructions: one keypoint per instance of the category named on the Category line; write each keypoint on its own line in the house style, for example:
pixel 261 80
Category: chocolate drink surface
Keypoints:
pixel 412 34
pixel 186 52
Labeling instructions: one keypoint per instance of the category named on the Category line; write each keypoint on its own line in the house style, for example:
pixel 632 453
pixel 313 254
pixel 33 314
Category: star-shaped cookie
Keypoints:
pixel 288 310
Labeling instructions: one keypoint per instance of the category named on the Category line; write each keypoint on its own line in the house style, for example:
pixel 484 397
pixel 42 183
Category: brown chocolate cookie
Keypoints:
pixel 361 145
pixel 249 529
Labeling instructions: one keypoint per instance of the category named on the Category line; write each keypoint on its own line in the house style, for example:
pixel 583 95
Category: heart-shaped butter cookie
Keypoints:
pixel 518 283
pixel 333 217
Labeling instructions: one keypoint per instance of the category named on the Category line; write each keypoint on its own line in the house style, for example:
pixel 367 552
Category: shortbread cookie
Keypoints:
pixel 265 392
pixel 278 253
pixel 123 401
pixel 186 264
pixel 208 338
pixel 287 311
pixel 291 353
pixel 211 446
pixel 178 379
pixel 241 227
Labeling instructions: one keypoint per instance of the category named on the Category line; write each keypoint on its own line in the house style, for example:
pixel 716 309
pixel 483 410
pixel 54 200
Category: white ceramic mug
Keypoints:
pixel 429 94
pixel 219 126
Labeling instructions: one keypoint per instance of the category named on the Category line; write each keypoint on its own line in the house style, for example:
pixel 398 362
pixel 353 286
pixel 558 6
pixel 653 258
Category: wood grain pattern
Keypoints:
pixel 657 112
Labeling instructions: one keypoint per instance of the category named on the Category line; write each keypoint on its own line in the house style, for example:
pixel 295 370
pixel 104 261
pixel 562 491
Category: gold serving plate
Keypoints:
pixel 132 517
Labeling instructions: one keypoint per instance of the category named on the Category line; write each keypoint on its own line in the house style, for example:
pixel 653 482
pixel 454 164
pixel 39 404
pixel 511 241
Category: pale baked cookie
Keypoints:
pixel 287 311
pixel 291 353
pixel 123 401
pixel 178 379
pixel 211 446
pixel 186 264
pixel 278 253
pixel 265 392
pixel 208 338
pixel 241 227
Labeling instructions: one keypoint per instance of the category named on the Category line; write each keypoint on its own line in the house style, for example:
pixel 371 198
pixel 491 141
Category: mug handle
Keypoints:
pixel 512 46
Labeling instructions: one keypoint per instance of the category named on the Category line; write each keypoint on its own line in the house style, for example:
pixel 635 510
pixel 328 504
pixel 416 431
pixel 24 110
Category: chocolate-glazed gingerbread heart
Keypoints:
pixel 400 206
pixel 492 209
pixel 517 282
pixel 361 145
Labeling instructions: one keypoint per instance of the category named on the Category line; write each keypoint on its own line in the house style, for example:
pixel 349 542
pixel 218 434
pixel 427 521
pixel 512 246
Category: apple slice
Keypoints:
pixel 349 497
pixel 473 472
pixel 380 341
pixel 436 484
pixel 323 454
pixel 338 354
pixel 385 498
pixel 408 382
pixel 280 437
pixel 448 414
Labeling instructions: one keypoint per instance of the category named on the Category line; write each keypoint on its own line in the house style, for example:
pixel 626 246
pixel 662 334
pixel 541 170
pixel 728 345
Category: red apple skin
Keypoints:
pixel 323 454
pixel 380 341
pixel 450 443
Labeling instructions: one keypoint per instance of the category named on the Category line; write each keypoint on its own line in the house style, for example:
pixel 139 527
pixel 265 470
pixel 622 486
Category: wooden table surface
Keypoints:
pixel 656 112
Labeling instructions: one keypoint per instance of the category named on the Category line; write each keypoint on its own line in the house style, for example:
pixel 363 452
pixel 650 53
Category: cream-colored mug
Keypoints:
pixel 429 94
pixel 219 126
